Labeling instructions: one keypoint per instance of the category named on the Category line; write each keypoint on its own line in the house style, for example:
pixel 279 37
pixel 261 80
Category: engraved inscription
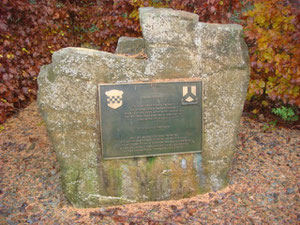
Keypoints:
pixel 146 119
pixel 153 112
pixel 154 143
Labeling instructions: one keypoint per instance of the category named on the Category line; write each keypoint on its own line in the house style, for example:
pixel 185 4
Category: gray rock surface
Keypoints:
pixel 130 46
pixel 178 46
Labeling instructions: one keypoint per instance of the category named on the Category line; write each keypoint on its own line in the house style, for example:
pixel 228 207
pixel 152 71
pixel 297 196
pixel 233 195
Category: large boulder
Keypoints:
pixel 177 46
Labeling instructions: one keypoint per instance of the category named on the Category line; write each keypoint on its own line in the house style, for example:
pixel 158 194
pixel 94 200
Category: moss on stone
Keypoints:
pixel 51 75
pixel 150 161
pixel 70 183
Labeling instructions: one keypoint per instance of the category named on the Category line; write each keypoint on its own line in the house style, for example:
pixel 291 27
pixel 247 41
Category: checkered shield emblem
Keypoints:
pixel 114 98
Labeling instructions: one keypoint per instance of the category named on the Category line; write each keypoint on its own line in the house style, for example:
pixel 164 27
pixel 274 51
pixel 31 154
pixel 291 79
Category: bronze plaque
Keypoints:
pixel 147 119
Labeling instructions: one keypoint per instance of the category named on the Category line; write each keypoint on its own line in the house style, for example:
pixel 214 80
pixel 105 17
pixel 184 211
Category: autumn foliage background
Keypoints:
pixel 31 30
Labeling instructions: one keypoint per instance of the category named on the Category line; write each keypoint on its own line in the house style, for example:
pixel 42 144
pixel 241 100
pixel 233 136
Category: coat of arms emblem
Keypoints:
pixel 114 98
pixel 189 95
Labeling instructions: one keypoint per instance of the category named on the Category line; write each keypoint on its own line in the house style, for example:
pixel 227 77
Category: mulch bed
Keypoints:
pixel 264 183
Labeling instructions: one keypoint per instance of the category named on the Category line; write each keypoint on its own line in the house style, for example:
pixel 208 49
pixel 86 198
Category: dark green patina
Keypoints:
pixel 147 119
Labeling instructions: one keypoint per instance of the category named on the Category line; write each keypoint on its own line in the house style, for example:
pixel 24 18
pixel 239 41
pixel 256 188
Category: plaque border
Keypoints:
pixel 98 111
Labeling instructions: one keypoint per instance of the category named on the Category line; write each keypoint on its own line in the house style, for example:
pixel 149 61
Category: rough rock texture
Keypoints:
pixel 130 46
pixel 178 46
pixel 169 42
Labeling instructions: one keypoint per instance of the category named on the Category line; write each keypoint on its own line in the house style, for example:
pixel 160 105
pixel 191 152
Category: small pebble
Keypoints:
pixel 222 195
pixel 21 147
pixel 270 199
pixel 218 201
pixel 290 191
pixel 233 198
pixel 22 207
pixel 10 222
pixel 32 146
pixel 275 196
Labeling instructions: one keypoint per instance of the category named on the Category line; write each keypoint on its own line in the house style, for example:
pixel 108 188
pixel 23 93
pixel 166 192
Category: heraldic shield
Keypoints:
pixel 114 98
pixel 189 95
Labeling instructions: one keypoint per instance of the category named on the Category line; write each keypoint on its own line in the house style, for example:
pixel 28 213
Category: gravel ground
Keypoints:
pixel 264 183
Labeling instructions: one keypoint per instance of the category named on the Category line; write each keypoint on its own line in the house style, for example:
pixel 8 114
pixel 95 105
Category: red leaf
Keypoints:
pixel 3 26
pixel 21 97
pixel 2 88
pixel 6 43
pixel 56 16
pixel 13 70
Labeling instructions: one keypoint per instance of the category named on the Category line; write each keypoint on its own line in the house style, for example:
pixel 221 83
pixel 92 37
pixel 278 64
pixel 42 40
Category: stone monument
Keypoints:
pixel 210 61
